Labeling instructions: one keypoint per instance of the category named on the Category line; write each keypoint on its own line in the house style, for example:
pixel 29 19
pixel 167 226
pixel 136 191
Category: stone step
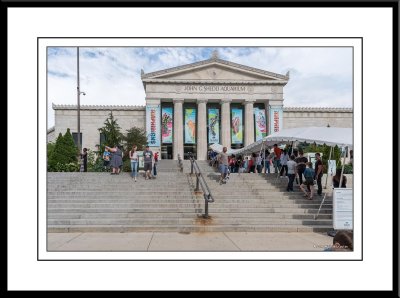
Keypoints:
pixel 182 215
pixel 169 209
pixel 201 227
pixel 187 221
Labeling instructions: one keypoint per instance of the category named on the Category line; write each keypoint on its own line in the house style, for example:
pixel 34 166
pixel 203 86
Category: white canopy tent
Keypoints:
pixel 330 136
pixel 218 148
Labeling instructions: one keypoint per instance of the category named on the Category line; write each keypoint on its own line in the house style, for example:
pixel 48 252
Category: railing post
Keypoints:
pixel 205 215
pixel 192 166
pixel 197 182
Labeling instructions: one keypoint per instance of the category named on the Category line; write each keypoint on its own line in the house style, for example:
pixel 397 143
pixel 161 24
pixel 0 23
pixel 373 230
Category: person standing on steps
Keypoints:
pixel 133 155
pixel 291 171
pixel 309 181
pixel 84 159
pixel 223 165
pixel 318 173
pixel 148 162
pixel 155 165
pixel 106 158
pixel 116 160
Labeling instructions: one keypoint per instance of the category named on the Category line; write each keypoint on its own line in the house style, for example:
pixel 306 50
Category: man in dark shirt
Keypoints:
pixel 318 173
pixel 301 166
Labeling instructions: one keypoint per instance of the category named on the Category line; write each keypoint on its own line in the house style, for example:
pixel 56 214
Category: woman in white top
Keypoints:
pixel 133 155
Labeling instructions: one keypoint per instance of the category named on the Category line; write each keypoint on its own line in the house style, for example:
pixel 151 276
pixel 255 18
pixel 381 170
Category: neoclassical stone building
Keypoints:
pixel 192 106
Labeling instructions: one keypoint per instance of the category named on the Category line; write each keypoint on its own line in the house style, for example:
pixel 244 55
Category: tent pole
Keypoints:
pixel 330 155
pixel 344 162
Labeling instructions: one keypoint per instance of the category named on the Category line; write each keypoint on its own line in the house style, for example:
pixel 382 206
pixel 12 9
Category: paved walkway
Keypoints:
pixel 174 241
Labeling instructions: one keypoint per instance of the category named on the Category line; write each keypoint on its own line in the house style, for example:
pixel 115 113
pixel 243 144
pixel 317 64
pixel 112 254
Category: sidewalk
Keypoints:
pixel 174 241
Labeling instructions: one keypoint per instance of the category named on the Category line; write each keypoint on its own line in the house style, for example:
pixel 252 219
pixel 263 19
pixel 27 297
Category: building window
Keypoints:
pixel 75 137
pixel 102 139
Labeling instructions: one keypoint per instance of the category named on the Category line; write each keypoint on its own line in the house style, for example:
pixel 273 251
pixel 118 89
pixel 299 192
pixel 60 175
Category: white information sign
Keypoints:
pixel 343 209
pixel 332 167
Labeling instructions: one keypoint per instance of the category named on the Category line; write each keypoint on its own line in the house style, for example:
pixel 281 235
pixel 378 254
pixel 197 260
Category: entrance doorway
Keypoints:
pixel 166 151
pixel 189 148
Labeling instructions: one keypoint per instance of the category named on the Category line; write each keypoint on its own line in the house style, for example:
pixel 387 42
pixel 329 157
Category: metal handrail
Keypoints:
pixel 180 163
pixel 201 182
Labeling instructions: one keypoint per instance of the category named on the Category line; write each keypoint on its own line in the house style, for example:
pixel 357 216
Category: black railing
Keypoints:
pixel 180 163
pixel 201 182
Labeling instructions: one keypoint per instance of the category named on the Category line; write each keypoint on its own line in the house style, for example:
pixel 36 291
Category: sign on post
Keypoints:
pixel 343 208
pixel 331 167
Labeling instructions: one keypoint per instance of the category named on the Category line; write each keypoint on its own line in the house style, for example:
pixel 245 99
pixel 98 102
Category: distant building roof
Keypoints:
pixel 316 109
pixel 99 107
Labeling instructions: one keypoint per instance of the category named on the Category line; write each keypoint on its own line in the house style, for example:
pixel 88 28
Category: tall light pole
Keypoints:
pixel 79 104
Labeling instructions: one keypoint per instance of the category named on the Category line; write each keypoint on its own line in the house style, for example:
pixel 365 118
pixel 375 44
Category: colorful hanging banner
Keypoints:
pixel 153 125
pixel 237 126
pixel 276 119
pixel 213 126
pixel 166 125
pixel 260 124
pixel 190 126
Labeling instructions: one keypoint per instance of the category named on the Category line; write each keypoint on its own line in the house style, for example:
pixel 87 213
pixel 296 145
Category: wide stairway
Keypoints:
pixel 100 202
pixel 253 202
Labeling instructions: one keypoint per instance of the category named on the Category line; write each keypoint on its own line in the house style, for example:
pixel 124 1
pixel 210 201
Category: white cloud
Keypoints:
pixel 111 76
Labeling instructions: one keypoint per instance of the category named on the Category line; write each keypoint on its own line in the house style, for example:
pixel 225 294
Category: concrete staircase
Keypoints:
pixel 89 202
pixel 100 202
pixel 253 202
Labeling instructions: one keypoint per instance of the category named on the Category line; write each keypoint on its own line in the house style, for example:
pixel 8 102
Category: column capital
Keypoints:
pixel 249 101
pixel 225 101
pixel 177 100
pixel 202 100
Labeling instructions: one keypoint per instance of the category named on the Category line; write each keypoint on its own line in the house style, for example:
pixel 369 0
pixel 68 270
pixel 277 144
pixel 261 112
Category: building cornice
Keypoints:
pixel 142 108
pixel 215 61
pixel 99 107
pixel 51 129
pixel 216 82
pixel 317 109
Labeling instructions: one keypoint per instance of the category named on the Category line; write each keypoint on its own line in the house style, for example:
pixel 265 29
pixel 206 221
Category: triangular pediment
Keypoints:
pixel 214 69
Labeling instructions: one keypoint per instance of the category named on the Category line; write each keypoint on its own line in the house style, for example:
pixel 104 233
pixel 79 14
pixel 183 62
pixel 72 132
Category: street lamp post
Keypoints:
pixel 79 92
pixel 79 104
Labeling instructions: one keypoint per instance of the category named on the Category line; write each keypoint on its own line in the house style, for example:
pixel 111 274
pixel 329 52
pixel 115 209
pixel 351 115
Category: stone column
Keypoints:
pixel 226 122
pixel 249 122
pixel 178 129
pixel 201 129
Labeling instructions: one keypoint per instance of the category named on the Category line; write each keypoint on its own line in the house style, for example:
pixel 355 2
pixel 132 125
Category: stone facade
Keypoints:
pixel 51 135
pixel 93 117
pixel 209 82
pixel 303 117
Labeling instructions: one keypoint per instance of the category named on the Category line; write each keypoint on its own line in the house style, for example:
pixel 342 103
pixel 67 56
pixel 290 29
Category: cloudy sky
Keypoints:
pixel 319 77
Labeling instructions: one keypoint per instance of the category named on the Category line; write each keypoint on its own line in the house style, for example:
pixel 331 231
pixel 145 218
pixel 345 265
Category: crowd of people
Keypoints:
pixel 288 162
pixel 112 161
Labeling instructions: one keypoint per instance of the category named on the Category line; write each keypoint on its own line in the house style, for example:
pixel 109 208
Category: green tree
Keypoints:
pixel 325 149
pixel 135 136
pixel 71 150
pixel 112 133
pixel 50 149
pixel 63 153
